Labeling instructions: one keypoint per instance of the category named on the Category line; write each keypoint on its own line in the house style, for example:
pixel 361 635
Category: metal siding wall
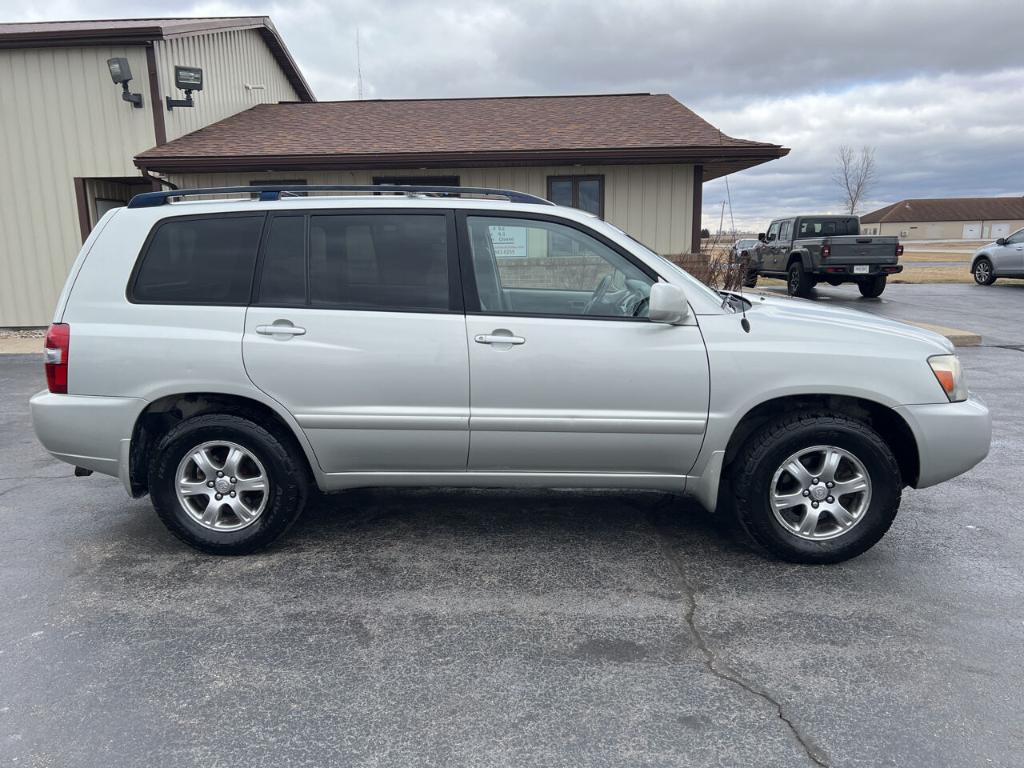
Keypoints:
pixel 229 60
pixel 653 203
pixel 61 117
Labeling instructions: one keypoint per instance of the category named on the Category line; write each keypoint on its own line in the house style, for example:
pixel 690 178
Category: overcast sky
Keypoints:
pixel 936 87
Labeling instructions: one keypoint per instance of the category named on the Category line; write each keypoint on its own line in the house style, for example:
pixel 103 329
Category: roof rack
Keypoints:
pixel 275 192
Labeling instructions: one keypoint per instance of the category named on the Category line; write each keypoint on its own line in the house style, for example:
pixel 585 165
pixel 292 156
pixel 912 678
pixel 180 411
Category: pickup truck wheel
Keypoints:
pixel 815 488
pixel 226 485
pixel 983 274
pixel 799 283
pixel 872 287
pixel 750 281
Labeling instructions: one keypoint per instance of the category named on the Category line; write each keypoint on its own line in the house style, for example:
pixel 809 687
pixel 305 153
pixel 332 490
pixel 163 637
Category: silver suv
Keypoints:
pixel 228 356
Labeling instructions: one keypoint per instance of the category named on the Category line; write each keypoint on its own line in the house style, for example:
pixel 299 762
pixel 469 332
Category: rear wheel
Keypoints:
pixel 815 488
pixel 983 273
pixel 226 485
pixel 799 283
pixel 872 287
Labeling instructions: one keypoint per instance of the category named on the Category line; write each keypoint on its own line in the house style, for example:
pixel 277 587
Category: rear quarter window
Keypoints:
pixel 201 260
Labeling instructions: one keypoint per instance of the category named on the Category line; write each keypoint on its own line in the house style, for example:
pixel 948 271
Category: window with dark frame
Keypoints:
pixel 583 192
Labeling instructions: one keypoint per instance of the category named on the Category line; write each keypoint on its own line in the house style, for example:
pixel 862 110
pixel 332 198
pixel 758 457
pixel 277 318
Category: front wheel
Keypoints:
pixel 226 485
pixel 983 273
pixel 872 287
pixel 815 488
pixel 750 280
pixel 799 283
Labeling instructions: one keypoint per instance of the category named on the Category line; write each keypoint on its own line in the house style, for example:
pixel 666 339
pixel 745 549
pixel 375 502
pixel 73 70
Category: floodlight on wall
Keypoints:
pixel 121 74
pixel 186 79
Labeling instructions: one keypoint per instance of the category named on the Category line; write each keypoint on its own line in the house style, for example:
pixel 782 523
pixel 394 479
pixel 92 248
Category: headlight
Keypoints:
pixel 950 376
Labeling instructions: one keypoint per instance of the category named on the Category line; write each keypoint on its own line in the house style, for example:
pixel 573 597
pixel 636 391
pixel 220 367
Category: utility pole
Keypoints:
pixel 359 68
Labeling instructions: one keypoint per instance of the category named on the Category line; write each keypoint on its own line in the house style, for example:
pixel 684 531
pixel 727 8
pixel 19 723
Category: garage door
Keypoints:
pixel 1000 230
pixel 972 231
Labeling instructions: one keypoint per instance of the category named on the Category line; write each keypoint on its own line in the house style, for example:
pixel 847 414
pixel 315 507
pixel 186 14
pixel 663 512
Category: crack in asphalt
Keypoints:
pixel 723 671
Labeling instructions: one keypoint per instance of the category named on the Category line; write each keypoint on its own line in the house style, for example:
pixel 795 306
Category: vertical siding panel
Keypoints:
pixel 61 117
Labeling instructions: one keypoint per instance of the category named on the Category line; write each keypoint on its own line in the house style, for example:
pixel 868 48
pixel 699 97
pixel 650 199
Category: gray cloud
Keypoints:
pixel 937 87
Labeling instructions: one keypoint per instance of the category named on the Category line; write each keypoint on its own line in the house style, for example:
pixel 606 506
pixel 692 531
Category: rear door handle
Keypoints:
pixel 280 328
pixel 497 338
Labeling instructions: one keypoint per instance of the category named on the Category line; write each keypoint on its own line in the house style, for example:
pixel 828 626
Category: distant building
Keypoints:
pixel 949 218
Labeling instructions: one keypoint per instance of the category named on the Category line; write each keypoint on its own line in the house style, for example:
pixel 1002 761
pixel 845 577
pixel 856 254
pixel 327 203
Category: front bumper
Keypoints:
pixel 90 432
pixel 951 437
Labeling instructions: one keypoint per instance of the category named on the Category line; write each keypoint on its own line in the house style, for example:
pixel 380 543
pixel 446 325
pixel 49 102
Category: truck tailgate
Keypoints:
pixel 859 249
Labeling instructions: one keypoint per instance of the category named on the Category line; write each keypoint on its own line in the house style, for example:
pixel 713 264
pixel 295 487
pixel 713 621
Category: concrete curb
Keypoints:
pixel 18 345
pixel 958 337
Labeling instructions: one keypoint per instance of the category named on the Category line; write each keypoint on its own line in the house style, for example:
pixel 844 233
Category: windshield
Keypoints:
pixel 828 226
pixel 745 243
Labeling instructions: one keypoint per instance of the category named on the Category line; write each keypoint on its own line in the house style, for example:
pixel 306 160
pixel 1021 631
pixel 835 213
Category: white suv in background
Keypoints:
pixel 228 355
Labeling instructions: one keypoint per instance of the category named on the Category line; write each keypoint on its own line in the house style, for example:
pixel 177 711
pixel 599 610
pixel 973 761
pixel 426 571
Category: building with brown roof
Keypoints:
pixel 636 159
pixel 949 218
pixel 77 147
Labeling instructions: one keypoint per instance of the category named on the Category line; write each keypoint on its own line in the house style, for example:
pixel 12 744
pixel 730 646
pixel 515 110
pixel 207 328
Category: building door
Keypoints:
pixel 356 328
pixel 1000 230
pixel 972 231
pixel 96 196
pixel 584 383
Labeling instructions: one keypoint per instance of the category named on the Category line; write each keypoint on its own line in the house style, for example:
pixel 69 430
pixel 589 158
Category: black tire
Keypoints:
pixel 287 474
pixel 750 281
pixel 983 272
pixel 798 282
pixel 872 287
pixel 751 474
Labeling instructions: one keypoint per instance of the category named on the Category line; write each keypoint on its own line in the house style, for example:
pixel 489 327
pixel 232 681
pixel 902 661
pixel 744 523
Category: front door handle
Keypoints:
pixel 498 338
pixel 280 328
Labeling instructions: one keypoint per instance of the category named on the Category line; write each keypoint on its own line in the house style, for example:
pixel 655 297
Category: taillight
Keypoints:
pixel 899 250
pixel 55 357
pixel 826 251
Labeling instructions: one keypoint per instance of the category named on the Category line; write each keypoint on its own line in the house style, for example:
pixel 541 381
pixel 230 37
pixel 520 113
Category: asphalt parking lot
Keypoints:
pixel 496 628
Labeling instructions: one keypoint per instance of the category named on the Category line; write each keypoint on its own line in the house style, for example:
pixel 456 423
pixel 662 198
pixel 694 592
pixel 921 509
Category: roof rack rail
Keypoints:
pixel 275 192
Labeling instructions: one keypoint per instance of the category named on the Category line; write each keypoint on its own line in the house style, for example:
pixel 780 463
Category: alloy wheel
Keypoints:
pixel 222 486
pixel 820 493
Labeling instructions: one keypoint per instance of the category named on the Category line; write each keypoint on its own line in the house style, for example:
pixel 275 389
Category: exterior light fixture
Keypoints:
pixel 121 74
pixel 186 79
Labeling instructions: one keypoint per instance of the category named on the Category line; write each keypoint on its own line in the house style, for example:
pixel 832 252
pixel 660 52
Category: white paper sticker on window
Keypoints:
pixel 508 242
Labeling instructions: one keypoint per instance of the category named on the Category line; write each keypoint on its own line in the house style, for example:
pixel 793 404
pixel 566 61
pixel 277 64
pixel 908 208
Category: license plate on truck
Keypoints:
pixel 861 269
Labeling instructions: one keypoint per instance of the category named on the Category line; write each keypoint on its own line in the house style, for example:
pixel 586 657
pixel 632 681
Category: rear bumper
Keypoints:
pixel 846 270
pixel 951 437
pixel 90 432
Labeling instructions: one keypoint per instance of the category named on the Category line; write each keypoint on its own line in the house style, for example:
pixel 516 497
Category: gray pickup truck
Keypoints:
pixel 806 250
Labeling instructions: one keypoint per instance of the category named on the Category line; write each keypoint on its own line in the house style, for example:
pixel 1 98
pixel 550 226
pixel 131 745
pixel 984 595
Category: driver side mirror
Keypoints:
pixel 760 236
pixel 1001 241
pixel 667 304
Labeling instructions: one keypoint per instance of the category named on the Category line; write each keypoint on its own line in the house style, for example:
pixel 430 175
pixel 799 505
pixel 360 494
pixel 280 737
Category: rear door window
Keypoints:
pixel 393 261
pixel 201 260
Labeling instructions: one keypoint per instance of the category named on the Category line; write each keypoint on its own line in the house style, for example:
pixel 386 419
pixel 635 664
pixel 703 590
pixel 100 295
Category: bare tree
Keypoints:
pixel 855 175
